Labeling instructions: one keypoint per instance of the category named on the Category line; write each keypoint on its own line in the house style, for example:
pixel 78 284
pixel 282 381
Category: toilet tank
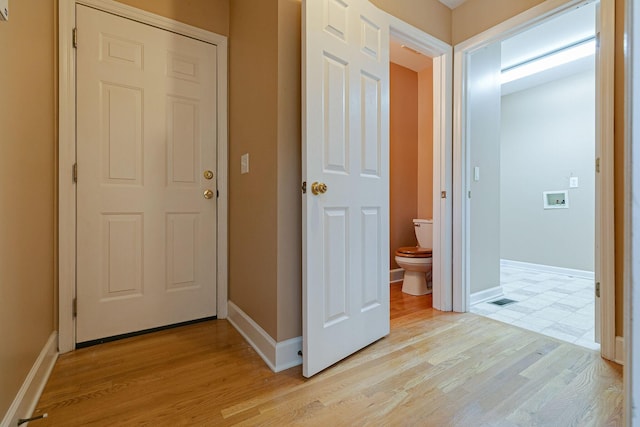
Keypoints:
pixel 424 232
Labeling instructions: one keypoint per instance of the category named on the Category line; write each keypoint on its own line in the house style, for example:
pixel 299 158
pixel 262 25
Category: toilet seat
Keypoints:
pixel 414 252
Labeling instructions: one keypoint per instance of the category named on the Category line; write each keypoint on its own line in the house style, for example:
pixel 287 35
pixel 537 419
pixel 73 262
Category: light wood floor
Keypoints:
pixel 434 369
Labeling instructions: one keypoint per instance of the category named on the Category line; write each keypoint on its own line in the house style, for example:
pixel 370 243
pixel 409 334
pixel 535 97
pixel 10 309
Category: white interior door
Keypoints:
pixel 345 146
pixel 146 236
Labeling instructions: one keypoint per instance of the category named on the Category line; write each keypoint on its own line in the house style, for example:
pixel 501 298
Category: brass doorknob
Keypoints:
pixel 208 174
pixel 208 194
pixel 318 188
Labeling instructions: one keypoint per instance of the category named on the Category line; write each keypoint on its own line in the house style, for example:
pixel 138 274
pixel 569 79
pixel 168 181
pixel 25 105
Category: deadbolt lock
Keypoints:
pixel 208 175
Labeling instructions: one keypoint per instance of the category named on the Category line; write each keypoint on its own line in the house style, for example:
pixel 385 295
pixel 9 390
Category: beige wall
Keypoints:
pixel 211 15
pixel 430 16
pixel 403 157
pixel 27 188
pixel 253 129
pixel 425 143
pixel 289 172
pixel 265 204
pixel 476 16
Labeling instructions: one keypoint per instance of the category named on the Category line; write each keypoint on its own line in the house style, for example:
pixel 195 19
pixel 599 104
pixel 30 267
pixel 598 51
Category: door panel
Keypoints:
pixel 146 132
pixel 345 229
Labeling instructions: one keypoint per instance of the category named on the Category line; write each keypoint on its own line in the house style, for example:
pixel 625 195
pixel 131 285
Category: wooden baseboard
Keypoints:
pixel 486 295
pixel 547 269
pixel 396 275
pixel 277 355
pixel 27 398
pixel 619 357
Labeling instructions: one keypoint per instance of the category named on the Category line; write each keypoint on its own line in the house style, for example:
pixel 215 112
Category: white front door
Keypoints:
pixel 146 137
pixel 345 147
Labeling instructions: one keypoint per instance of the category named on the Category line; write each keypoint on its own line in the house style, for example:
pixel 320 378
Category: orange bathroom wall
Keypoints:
pixel 403 142
pixel 425 143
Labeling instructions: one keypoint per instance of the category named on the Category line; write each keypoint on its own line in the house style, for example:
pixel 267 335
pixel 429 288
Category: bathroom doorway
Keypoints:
pixel 420 151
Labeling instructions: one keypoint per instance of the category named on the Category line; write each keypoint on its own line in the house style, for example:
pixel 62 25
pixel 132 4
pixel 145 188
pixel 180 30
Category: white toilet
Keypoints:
pixel 416 261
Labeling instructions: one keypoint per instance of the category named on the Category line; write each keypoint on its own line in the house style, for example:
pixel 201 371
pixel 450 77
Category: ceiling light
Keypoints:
pixel 552 60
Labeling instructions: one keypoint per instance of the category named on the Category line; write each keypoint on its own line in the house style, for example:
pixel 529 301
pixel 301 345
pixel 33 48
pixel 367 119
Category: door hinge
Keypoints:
pixel 304 187
pixel 597 289
pixel 74 308
pixel 74 35
pixel 74 173
pixel 598 40
pixel 597 164
pixel 469 193
pixel 443 194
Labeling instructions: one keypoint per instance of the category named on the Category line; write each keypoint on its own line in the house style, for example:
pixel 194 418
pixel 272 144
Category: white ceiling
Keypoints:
pixel 452 4
pixel 557 33
pixel 545 38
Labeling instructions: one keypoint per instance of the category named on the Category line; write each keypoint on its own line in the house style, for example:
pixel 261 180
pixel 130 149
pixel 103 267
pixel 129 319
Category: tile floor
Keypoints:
pixel 552 304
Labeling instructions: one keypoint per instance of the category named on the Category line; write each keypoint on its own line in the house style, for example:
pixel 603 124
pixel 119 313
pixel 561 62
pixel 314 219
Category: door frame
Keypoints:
pixel 604 253
pixel 442 55
pixel 632 215
pixel 67 153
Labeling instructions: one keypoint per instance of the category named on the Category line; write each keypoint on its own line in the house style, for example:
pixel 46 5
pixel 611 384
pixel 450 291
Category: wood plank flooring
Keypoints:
pixel 434 369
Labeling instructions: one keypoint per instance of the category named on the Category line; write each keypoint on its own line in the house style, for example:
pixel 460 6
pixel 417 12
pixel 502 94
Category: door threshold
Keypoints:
pixel 91 343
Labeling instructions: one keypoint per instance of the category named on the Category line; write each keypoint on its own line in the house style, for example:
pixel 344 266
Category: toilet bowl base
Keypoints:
pixel 415 283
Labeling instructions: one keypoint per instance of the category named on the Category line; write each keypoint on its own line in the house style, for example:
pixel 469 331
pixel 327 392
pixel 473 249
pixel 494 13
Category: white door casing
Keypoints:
pixel 146 132
pixel 345 78
pixel 67 152
pixel 632 217
pixel 442 56
pixel 605 328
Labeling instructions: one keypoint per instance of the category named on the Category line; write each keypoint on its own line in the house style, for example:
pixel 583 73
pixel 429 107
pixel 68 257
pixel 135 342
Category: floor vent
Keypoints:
pixel 503 301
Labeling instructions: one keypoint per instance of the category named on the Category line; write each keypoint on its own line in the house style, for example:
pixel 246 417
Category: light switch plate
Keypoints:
pixel 244 163
pixel 4 10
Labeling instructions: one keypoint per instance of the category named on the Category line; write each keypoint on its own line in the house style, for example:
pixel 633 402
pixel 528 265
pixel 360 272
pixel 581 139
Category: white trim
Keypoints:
pixel 442 54
pixel 67 153
pixel 461 245
pixel 287 353
pixel 604 139
pixel 486 295
pixel 619 357
pixel 541 268
pixel 277 355
pixel 396 275
pixel 66 188
pixel 27 398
